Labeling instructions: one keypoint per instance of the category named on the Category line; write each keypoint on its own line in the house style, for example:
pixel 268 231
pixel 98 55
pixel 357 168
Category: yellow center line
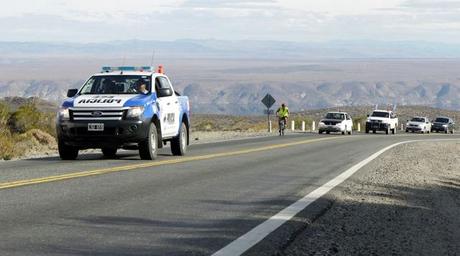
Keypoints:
pixel 80 174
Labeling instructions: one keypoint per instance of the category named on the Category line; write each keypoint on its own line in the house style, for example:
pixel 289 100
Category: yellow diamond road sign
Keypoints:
pixel 268 100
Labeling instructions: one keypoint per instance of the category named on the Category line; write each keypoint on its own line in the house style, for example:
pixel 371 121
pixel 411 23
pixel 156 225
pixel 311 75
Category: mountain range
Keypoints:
pixel 231 77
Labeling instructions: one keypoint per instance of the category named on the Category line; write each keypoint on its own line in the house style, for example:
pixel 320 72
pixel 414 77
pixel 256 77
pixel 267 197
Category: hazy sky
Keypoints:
pixel 286 20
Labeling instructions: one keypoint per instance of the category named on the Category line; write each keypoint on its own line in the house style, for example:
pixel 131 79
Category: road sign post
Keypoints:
pixel 268 101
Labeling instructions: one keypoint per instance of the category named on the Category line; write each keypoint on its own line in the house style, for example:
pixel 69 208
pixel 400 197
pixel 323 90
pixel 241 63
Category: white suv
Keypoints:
pixel 336 122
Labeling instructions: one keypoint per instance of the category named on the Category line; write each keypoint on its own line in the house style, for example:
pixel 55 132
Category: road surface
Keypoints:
pixel 193 205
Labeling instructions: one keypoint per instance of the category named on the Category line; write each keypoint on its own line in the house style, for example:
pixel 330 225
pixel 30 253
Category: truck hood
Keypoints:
pixel 110 101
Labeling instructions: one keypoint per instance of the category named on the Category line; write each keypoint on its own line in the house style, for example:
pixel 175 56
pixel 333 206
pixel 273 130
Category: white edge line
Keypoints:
pixel 251 238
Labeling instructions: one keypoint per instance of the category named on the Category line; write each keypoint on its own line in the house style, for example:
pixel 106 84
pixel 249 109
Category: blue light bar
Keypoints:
pixel 127 68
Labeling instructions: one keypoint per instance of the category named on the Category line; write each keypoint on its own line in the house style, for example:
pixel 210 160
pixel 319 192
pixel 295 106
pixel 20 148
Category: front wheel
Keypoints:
pixel 179 144
pixel 148 149
pixel 67 152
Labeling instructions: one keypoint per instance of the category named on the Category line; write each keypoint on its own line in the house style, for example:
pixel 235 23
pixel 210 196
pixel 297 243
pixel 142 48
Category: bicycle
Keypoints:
pixel 282 125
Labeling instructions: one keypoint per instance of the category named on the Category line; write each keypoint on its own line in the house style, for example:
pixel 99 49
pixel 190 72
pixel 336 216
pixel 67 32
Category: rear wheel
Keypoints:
pixel 67 152
pixel 109 152
pixel 320 132
pixel 179 144
pixel 393 131
pixel 148 149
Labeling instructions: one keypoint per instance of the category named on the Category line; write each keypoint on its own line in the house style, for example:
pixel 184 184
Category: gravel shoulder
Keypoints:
pixel 407 202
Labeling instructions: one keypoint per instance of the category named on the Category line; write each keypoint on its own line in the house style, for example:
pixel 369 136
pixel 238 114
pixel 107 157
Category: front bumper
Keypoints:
pixel 330 128
pixel 439 128
pixel 414 128
pixel 376 126
pixel 115 134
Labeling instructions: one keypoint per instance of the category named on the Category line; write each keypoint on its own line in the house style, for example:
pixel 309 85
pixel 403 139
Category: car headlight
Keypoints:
pixel 321 123
pixel 135 112
pixel 444 125
pixel 63 114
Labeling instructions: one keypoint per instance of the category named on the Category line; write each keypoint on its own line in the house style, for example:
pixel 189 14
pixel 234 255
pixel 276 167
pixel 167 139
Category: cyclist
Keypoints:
pixel 283 114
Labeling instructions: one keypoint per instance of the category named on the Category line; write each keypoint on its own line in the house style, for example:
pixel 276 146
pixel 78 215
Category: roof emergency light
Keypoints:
pixel 127 68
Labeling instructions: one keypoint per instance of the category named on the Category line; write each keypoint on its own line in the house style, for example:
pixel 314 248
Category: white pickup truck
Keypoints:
pixel 382 120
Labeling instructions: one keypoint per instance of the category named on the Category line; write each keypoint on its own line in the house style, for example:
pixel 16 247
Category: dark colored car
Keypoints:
pixel 443 124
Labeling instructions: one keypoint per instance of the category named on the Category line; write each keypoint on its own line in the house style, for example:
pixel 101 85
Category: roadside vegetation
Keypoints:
pixel 25 131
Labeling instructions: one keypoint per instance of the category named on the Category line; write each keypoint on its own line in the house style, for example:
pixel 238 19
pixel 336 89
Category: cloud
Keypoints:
pixel 281 20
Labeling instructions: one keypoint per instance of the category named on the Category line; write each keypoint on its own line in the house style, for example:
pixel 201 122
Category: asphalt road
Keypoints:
pixel 192 205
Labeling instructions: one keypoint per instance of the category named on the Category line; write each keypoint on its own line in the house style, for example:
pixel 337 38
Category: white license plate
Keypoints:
pixel 95 127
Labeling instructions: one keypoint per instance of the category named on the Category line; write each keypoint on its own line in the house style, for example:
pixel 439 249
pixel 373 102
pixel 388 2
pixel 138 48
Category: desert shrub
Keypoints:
pixel 4 115
pixel 28 117
pixel 6 145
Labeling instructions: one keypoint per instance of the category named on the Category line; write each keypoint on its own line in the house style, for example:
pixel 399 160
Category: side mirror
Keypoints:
pixel 166 92
pixel 72 92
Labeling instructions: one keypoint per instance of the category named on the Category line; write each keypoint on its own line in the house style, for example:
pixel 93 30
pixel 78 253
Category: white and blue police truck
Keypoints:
pixel 134 108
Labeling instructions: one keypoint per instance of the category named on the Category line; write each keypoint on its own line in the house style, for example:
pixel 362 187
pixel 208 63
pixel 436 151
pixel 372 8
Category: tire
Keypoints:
pixel 387 131
pixel 393 131
pixel 447 131
pixel 343 133
pixel 374 131
pixel 67 152
pixel 452 131
pixel 179 144
pixel 320 132
pixel 148 149
pixel 367 131
pixel 109 153
pixel 328 132
pixel 350 132
pixel 407 131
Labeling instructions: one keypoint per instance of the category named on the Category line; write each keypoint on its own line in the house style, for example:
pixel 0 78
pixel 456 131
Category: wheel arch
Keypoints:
pixel 157 123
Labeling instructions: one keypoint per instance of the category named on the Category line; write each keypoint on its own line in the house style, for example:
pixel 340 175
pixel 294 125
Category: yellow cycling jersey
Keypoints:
pixel 283 112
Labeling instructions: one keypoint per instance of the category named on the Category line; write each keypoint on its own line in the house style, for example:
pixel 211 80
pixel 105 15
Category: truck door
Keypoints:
pixel 169 107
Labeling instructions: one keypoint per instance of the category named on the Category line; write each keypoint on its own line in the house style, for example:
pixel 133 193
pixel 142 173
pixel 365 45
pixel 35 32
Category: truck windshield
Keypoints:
pixel 339 116
pixel 418 119
pixel 441 120
pixel 380 114
pixel 118 84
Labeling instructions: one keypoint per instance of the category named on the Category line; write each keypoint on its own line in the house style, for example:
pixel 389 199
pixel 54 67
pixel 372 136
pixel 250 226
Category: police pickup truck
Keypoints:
pixel 124 107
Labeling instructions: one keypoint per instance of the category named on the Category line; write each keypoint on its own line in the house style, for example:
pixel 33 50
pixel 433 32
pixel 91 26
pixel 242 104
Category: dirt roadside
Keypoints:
pixel 407 202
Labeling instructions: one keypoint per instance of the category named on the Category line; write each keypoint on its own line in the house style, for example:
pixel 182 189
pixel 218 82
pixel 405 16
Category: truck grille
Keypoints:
pixel 104 114
pixel 330 122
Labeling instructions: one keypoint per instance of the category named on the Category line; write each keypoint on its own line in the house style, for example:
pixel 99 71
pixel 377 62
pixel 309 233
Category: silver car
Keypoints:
pixel 419 124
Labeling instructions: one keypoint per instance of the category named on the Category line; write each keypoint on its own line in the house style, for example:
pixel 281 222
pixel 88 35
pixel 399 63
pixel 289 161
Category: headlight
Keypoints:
pixel 63 114
pixel 338 124
pixel 321 123
pixel 444 125
pixel 135 112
